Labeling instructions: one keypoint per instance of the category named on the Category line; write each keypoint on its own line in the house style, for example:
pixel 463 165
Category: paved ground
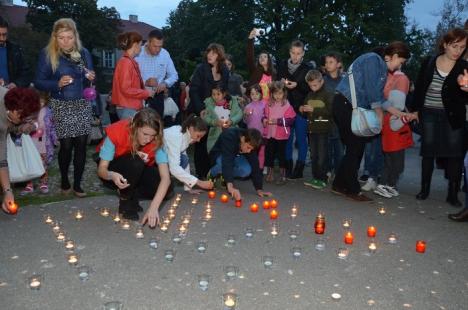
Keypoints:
pixel 128 270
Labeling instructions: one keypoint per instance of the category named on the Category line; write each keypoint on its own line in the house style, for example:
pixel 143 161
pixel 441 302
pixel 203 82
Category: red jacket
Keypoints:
pixel 119 134
pixel 128 90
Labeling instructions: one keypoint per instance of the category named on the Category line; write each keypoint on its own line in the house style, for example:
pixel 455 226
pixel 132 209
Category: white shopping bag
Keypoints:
pixel 24 162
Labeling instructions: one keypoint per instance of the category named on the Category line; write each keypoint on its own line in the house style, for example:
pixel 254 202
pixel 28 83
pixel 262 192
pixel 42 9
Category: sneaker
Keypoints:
pixel 392 190
pixel 320 184
pixel 314 183
pixel 370 185
pixel 364 178
pixel 28 189
pixel 381 190
pixel 309 182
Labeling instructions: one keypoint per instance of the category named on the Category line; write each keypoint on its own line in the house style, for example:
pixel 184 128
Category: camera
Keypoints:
pixel 259 32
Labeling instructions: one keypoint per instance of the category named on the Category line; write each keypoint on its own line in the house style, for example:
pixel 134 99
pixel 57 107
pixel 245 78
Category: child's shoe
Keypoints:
pixel 28 189
pixel 44 188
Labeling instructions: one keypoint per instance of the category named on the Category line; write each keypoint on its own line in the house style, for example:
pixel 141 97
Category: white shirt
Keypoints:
pixel 175 144
pixel 170 107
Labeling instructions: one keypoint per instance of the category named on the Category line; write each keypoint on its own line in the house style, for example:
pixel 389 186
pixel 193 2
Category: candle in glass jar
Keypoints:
pixel 186 220
pixel 346 223
pixel 139 233
pixel 294 212
pixel 35 282
pixel 224 198
pixel 208 216
pixel 382 210
pixel 12 207
pixel 194 201
pixel 274 229
pixel 212 194
pixel 392 238
pixel 420 246
pixel 69 245
pixel 125 225
pixel 238 203
pixel 116 218
pixel 371 231
pixel 229 300
pixel 273 214
pixel 254 208
pixel 105 212
pixel 319 225
pixel 60 236
pixel 273 204
pixel 48 219
pixel 72 259
pixel 266 204
pixel 372 247
pixel 56 227
pixel 78 215
pixel 349 238
pixel 163 227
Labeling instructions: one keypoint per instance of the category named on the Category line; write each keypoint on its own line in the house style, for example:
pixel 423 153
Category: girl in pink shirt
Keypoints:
pixel 279 117
pixel 253 116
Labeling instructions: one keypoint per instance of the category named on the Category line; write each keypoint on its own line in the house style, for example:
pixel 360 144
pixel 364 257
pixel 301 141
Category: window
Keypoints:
pixel 108 59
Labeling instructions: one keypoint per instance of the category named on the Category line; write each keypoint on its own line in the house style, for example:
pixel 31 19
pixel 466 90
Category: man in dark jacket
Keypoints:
pixel 233 155
pixel 13 70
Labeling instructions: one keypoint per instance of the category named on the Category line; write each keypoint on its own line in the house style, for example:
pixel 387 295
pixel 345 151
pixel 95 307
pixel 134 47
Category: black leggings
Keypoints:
pixel 79 160
pixel 275 149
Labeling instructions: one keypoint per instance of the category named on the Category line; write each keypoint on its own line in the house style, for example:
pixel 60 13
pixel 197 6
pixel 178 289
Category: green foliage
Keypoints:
pixel 95 25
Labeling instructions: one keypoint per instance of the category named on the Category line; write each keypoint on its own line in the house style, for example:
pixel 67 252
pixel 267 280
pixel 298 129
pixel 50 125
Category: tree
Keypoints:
pixel 95 25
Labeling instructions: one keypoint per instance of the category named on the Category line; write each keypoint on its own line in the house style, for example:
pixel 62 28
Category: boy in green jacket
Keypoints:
pixel 318 109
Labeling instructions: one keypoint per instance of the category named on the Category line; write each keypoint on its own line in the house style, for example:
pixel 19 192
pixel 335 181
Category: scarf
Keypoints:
pixel 224 103
pixel 292 67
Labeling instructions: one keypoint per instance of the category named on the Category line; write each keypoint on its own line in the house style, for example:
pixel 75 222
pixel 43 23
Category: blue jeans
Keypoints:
pixel 299 130
pixel 242 167
pixel 335 149
pixel 126 113
pixel 373 155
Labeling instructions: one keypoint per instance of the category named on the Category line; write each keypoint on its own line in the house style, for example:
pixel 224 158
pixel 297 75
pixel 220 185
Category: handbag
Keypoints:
pixel 364 122
pixel 395 140
pixel 24 161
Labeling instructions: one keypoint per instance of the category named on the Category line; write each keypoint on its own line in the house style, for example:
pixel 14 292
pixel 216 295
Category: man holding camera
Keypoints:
pixel 157 69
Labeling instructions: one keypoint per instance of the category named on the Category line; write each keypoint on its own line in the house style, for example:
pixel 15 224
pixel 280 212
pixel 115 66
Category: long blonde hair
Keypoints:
pixel 53 50
pixel 146 117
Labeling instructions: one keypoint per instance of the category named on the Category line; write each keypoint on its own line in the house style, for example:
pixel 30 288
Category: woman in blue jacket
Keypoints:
pixel 64 70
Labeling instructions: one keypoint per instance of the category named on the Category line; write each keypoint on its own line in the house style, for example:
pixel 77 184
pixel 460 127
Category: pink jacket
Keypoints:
pixel 284 116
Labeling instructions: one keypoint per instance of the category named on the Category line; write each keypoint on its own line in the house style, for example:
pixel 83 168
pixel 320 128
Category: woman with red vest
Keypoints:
pixel 132 159
pixel 128 90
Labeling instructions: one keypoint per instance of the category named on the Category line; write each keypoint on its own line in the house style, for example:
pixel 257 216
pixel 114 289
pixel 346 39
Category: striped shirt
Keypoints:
pixel 434 91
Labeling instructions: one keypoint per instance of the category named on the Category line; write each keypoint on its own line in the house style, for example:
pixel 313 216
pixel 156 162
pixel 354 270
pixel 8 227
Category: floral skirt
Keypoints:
pixel 72 118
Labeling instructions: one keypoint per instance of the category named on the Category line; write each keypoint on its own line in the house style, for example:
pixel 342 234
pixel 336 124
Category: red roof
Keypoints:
pixel 16 16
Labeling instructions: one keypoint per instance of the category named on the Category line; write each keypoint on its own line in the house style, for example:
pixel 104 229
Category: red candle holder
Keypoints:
pixel 319 225
pixel 238 203
pixel 224 198
pixel 273 203
pixel 349 238
pixel 12 208
pixel 212 194
pixel 254 208
pixel 420 246
pixel 273 214
pixel 266 205
pixel 371 231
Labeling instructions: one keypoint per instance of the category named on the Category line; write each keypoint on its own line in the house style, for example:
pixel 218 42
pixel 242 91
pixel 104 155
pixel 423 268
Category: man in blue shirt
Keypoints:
pixel 157 69
pixel 13 70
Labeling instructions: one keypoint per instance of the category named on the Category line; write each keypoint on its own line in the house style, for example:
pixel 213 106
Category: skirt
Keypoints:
pixel 72 118
pixel 438 137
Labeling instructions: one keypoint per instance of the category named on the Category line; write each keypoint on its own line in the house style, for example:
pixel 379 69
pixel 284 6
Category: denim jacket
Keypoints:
pixel 47 80
pixel 370 75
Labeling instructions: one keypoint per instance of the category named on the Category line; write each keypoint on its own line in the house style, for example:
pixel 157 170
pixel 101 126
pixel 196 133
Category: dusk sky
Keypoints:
pixel 155 12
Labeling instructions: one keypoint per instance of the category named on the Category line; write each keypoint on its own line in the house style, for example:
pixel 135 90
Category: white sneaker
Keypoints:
pixel 370 185
pixel 392 190
pixel 382 191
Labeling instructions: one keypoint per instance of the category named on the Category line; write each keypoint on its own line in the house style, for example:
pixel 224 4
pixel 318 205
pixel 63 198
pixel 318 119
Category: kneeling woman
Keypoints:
pixel 132 159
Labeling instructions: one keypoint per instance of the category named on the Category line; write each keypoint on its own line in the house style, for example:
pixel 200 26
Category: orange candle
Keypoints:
pixel 224 198
pixel 239 203
pixel 371 231
pixel 273 214
pixel 420 246
pixel 212 194
pixel 273 204
pixel 319 225
pixel 12 208
pixel 266 204
pixel 349 238
pixel 254 208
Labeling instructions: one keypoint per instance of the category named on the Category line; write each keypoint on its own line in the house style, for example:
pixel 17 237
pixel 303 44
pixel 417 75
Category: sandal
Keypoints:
pixel 44 188
pixel 28 189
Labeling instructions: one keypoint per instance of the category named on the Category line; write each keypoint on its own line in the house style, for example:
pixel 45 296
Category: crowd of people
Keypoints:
pixel 239 129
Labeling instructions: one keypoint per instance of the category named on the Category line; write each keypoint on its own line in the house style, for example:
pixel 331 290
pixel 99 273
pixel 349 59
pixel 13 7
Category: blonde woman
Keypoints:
pixel 64 70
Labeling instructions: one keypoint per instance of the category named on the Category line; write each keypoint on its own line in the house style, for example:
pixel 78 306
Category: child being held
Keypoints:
pixel 44 138
pixel 279 117
pixel 253 115
pixel 318 109
pixel 221 111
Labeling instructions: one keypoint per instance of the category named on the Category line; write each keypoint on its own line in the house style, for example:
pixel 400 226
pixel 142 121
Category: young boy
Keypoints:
pixel 318 108
pixel 334 74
